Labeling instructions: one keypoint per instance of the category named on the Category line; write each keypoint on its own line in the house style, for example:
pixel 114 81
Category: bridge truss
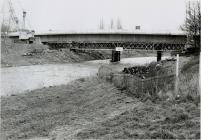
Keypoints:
pixel 125 45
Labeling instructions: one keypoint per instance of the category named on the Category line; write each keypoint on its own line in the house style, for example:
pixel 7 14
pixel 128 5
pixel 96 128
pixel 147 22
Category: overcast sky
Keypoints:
pixel 76 15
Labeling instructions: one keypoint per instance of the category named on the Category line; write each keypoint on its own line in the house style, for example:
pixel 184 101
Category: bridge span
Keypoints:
pixel 110 40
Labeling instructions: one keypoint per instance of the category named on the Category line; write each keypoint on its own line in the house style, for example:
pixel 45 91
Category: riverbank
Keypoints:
pixel 177 118
pixel 16 80
pixel 18 54
pixel 49 111
pixel 90 108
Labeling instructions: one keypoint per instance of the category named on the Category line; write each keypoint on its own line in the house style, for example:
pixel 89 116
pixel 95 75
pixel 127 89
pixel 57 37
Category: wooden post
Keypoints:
pixel 177 76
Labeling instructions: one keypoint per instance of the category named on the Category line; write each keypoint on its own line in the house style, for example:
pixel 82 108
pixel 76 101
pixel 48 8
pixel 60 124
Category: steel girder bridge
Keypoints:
pixel 124 45
pixel 110 40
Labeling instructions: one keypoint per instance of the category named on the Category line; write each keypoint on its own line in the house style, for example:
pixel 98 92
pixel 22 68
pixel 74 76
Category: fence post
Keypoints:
pixel 200 73
pixel 177 76
pixel 200 60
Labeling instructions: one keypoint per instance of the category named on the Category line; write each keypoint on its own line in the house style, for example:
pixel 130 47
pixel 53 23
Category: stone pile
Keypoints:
pixel 143 72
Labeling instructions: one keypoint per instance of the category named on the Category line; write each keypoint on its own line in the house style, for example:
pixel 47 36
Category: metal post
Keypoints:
pixel 200 73
pixel 115 56
pixel 119 55
pixel 200 53
pixel 159 55
pixel 177 76
pixel 200 66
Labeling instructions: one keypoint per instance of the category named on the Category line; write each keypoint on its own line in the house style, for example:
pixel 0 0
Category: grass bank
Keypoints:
pixel 177 118
pixel 94 109
pixel 48 112
pixel 157 80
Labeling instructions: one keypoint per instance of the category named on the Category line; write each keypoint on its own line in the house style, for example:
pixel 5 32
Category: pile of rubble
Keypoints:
pixel 139 71
pixel 153 69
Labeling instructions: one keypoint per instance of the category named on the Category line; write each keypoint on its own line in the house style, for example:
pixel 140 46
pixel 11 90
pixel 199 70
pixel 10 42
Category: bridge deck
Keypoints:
pixel 110 40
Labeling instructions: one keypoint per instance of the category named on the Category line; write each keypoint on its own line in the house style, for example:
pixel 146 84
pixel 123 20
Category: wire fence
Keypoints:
pixel 152 86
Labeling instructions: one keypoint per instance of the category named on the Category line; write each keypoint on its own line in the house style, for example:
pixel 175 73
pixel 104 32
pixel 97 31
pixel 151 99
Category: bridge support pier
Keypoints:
pixel 116 56
pixel 159 56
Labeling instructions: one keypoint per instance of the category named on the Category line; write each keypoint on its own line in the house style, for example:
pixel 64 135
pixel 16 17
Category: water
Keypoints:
pixel 15 80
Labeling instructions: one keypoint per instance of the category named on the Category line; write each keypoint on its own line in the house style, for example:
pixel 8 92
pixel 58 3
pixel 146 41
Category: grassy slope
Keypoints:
pixel 150 121
pixel 78 105
pixel 165 120
pixel 91 108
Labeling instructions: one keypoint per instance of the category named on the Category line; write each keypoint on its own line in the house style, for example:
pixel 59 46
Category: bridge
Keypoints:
pixel 110 40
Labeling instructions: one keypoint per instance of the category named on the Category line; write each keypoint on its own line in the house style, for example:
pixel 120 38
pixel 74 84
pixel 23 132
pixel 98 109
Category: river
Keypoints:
pixel 15 80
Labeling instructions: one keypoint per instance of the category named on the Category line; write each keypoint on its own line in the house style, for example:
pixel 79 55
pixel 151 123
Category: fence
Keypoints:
pixel 137 86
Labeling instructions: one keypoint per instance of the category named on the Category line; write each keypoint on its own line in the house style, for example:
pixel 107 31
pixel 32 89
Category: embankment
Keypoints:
pixel 157 81
pixel 61 112
pixel 94 109
pixel 175 118
pixel 19 54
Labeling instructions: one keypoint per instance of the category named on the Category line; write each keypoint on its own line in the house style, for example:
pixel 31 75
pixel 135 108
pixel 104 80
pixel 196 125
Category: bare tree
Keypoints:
pixel 111 24
pixel 192 23
pixel 101 26
pixel 4 28
pixel 119 25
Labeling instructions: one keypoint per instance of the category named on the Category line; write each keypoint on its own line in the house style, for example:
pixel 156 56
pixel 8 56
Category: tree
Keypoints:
pixel 101 26
pixel 4 28
pixel 192 25
pixel 119 25
pixel 111 24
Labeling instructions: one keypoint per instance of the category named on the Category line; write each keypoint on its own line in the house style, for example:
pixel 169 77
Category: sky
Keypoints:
pixel 85 15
